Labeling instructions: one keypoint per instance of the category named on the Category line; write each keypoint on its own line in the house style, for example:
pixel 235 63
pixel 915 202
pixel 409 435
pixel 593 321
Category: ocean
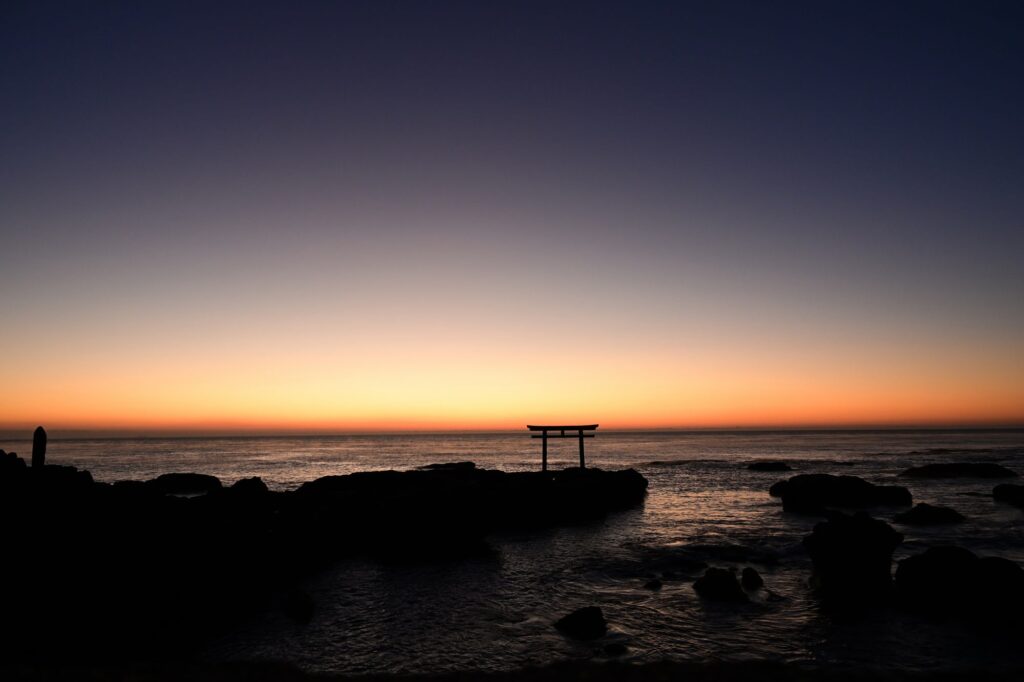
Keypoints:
pixel 495 612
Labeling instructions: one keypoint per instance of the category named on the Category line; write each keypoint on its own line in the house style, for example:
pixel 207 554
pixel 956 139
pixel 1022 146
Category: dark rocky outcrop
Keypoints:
pixel 719 584
pixel 924 514
pixel 751 579
pixel 959 470
pixel 585 623
pixel 852 557
pixel 814 493
pixel 1009 493
pixel 954 582
pixel 773 465
pixel 653 584
pixel 140 567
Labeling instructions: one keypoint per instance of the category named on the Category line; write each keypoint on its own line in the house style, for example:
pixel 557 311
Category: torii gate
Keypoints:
pixel 579 428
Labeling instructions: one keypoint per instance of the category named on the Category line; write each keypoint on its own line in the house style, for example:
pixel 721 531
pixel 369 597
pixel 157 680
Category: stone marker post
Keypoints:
pixel 39 448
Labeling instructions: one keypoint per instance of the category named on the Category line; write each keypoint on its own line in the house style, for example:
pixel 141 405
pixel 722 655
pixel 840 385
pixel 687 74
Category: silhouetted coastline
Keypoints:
pixel 142 568
pixel 116 575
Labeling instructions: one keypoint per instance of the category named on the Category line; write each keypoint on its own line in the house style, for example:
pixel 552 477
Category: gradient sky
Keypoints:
pixel 336 216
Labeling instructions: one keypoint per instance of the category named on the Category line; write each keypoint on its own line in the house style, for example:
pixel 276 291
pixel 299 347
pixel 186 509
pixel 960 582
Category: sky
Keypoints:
pixel 337 216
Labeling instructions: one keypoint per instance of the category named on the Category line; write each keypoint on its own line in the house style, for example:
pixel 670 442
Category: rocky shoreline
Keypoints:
pixel 135 569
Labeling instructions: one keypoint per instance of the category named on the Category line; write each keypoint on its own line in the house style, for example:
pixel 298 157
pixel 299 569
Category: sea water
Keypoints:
pixel 495 611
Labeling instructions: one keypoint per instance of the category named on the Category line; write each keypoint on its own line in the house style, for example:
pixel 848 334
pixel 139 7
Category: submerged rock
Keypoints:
pixel 449 466
pixel 960 470
pixel 653 584
pixel 852 557
pixel 773 465
pixel 924 514
pixel 1010 493
pixel 751 579
pixel 585 623
pixel 814 493
pixel 719 584
pixel 953 581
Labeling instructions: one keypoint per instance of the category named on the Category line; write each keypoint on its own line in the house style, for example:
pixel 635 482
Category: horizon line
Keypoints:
pixel 73 433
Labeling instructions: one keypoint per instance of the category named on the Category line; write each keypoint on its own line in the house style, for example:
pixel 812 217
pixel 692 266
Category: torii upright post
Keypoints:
pixel 559 432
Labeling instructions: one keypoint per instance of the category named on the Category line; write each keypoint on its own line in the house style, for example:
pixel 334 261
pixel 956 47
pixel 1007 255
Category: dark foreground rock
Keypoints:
pixel 773 465
pixel 751 579
pixel 585 623
pixel 852 557
pixel 815 493
pixel 96 571
pixel 719 584
pixel 1009 493
pixel 924 514
pixel 959 470
pixel 954 582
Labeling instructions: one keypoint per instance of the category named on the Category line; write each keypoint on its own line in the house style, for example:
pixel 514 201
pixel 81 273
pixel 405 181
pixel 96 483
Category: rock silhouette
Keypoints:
pixel 924 514
pixel 950 581
pixel 1010 493
pixel 751 579
pixel 852 557
pixel 815 493
pixel 719 584
pixel 959 470
pixel 585 623
pixel 140 567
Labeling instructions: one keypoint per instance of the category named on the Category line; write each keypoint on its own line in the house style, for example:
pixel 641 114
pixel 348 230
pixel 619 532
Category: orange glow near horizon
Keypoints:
pixel 456 387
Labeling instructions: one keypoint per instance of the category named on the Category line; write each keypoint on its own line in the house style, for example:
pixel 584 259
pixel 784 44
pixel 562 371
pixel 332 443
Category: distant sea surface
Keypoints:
pixel 495 612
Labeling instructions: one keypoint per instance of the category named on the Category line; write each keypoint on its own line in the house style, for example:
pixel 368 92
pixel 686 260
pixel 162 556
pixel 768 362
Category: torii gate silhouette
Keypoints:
pixel 579 428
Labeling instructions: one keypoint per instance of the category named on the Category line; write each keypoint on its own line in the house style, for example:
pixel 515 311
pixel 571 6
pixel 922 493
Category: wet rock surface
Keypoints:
pixel 852 557
pixel 924 514
pixel 720 584
pixel 816 493
pixel 949 581
pixel 1010 493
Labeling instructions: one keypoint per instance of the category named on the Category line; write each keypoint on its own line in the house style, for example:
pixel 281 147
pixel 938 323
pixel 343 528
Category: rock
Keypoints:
pixel 1009 493
pixel 953 581
pixel 654 584
pixel 924 514
pixel 10 463
pixel 852 557
pixel 751 579
pixel 585 623
pixel 960 470
pixel 185 484
pixel 719 584
pixel 249 486
pixel 814 493
pixel 769 466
